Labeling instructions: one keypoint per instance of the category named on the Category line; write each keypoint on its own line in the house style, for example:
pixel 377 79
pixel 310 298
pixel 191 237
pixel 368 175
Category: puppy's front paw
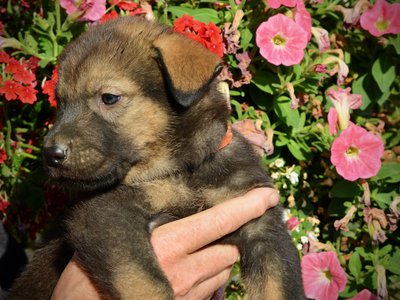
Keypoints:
pixel 159 220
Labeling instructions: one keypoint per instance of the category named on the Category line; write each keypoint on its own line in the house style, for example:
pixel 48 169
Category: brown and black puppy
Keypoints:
pixel 139 125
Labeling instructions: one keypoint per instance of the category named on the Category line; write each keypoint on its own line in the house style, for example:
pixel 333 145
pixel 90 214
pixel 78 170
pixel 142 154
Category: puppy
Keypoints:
pixel 139 127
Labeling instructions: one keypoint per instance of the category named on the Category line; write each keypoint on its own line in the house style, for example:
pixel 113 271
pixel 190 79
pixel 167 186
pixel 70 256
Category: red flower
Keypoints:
pixel 10 89
pixel 208 35
pixel 19 79
pixel 24 76
pixel 4 57
pixel 110 16
pixel 3 205
pixel 27 94
pixel 49 87
pixel 3 156
pixel 13 66
pixel 125 5
pixel 32 63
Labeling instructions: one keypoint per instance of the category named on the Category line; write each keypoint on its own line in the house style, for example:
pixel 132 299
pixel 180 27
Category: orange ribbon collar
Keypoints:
pixel 227 139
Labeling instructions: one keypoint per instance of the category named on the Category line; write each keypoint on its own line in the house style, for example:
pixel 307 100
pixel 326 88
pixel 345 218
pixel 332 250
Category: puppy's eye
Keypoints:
pixel 110 99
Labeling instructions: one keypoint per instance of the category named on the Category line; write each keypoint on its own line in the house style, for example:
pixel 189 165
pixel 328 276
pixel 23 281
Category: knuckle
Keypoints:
pixel 182 290
pixel 233 254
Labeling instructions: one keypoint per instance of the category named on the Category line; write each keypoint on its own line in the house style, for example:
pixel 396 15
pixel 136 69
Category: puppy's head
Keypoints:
pixel 135 102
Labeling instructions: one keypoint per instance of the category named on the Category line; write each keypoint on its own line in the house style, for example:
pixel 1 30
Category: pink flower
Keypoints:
pixel 323 277
pixel 357 153
pixel 277 3
pixel 382 18
pixel 352 15
pixel 281 40
pixel 333 121
pixel 320 68
pixel 86 10
pixel 322 37
pixel 257 137
pixel 292 223
pixel 303 17
pixel 364 295
pixel 343 102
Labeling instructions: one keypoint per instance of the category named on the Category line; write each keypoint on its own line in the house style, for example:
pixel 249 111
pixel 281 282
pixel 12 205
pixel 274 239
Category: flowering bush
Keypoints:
pixel 314 86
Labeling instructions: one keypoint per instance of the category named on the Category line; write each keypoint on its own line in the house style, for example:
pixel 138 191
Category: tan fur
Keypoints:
pixel 173 49
pixel 166 193
pixel 272 290
pixel 131 280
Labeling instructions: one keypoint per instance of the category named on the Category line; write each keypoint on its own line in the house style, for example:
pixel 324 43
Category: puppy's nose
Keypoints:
pixel 55 155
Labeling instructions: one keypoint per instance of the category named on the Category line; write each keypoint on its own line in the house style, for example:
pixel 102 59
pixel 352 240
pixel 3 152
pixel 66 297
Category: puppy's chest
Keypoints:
pixel 176 197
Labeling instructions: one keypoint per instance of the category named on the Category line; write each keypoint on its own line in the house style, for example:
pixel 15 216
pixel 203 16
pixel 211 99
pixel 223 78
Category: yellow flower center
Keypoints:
pixel 382 24
pixel 352 152
pixel 327 274
pixel 279 40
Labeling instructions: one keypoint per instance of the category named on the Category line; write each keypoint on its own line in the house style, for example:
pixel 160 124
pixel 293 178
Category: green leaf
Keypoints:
pixel 384 72
pixel 302 121
pixel 205 15
pixel 289 116
pixel 299 151
pixel 368 88
pixel 382 199
pixel 355 265
pixel 281 140
pixel 395 42
pixel 264 80
pixel 46 45
pixel 390 172
pixel 345 189
pixel 393 263
pixel 42 23
pixel 385 250
pixel 5 171
pixel 245 38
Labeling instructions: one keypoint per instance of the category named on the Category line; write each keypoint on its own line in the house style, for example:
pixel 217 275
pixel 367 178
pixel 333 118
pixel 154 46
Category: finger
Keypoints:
pixel 74 285
pixel 196 231
pixel 207 288
pixel 198 266
pixel 212 260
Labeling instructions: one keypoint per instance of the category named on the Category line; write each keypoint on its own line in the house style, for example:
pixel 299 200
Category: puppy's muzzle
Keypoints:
pixel 55 155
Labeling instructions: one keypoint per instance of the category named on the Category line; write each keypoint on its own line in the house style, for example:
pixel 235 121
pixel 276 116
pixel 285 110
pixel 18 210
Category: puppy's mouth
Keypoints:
pixel 107 178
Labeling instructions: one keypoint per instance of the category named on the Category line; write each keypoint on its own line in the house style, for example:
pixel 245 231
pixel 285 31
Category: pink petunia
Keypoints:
pixel 322 38
pixel 87 10
pixel 357 153
pixel 382 18
pixel 323 277
pixel 303 17
pixel 333 121
pixel 364 295
pixel 277 3
pixel 343 101
pixel 281 40
pixel 292 223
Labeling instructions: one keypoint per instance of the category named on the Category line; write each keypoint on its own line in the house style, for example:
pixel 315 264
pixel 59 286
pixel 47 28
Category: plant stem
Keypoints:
pixel 7 141
pixel 58 16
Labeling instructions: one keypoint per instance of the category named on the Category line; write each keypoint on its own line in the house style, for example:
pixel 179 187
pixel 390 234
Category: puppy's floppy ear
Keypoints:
pixel 187 66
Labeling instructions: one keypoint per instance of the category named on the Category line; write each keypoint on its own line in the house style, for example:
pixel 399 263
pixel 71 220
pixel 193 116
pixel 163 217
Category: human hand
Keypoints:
pixel 194 268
